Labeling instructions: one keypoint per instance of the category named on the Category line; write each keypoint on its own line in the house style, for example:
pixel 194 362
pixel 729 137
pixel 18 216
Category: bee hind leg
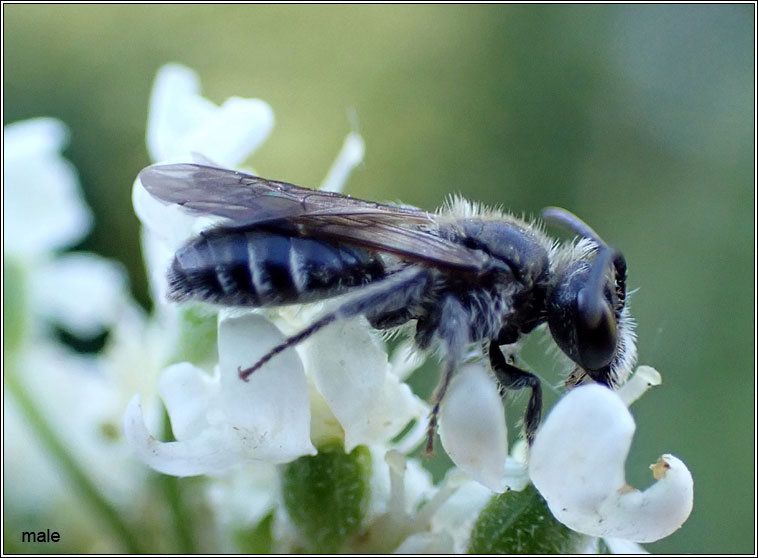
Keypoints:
pixel 244 374
pixel 389 295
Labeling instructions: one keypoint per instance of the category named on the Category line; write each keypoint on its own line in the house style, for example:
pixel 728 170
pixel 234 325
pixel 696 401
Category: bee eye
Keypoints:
pixel 581 315
pixel 595 330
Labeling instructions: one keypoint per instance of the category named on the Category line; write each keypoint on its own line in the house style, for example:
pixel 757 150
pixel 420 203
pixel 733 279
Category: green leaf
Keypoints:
pixel 521 523
pixel 259 539
pixel 325 495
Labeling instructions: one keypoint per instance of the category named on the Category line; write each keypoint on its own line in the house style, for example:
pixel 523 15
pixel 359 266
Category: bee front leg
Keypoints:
pixel 511 377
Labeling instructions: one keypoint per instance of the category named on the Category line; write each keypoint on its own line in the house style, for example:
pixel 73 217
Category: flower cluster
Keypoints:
pixel 339 389
pixel 62 407
pixel 314 453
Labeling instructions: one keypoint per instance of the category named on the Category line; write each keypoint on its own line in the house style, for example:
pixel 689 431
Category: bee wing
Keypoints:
pixel 249 201
pixel 395 234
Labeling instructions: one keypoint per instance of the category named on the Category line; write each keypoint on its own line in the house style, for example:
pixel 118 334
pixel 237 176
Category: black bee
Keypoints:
pixel 464 274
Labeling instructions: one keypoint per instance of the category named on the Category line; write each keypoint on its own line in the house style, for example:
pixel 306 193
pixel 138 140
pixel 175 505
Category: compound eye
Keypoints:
pixel 595 329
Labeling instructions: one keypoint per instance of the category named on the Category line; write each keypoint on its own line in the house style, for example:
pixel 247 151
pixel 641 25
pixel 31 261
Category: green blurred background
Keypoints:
pixel 637 118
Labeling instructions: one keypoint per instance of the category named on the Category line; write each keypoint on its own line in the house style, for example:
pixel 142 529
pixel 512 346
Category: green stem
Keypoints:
pixel 174 495
pixel 87 490
pixel 182 519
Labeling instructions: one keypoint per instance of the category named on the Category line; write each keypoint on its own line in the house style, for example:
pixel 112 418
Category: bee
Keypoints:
pixel 463 275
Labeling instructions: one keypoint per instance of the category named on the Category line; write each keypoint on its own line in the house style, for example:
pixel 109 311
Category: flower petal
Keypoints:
pixel 472 426
pixel 577 464
pixel 642 380
pixel 188 393
pixel 241 499
pixel 350 370
pixel 213 451
pixel 181 122
pixel 399 485
pixel 176 109
pixel 426 542
pixel 273 406
pixel 43 208
pixel 349 157
pixel 83 292
pixel 34 137
pixel 622 546
pixel 516 476
pixel 457 515
pixel 237 129
pixel 158 257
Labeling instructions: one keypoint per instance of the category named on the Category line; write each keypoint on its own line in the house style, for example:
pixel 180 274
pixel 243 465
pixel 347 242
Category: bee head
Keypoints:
pixel 585 304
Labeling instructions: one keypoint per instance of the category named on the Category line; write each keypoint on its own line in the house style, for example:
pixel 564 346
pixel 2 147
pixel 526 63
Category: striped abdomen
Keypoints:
pixel 261 268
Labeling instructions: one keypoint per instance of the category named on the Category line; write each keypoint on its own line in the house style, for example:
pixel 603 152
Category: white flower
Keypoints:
pixel 184 126
pixel 82 406
pixel 242 498
pixel 350 369
pixel 81 293
pixel 351 155
pixel 339 385
pixel 412 516
pixel 221 421
pixel 182 123
pixel 361 397
pixel 43 209
pixel 404 506
pixel 472 426
pixel 577 464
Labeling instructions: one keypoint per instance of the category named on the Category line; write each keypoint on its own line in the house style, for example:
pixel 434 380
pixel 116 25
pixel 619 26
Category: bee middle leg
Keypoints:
pixel 451 324
pixel 511 377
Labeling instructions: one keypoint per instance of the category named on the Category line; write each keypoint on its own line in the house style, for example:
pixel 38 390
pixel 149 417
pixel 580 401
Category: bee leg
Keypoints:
pixel 452 329
pixel 388 320
pixel 511 377
pixel 244 374
pixel 439 394
pixel 396 291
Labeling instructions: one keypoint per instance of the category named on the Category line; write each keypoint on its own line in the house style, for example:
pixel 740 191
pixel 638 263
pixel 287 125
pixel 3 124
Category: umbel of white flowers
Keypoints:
pixel 332 412
pixel 340 388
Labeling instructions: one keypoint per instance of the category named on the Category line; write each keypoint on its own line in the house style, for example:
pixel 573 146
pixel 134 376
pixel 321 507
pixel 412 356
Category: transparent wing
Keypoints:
pixel 250 201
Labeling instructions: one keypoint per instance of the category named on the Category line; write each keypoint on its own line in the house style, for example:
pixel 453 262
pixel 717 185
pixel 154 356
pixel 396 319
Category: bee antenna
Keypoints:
pixel 563 218
pixel 560 217
pixel 596 280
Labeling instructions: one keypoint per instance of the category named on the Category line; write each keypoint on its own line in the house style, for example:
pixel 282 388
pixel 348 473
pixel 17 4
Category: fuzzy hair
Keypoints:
pixel 456 208
pixel 626 352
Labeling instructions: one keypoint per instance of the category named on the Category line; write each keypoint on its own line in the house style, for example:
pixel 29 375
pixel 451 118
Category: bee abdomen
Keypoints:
pixel 261 268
